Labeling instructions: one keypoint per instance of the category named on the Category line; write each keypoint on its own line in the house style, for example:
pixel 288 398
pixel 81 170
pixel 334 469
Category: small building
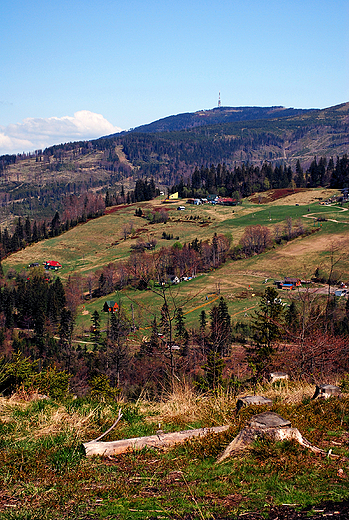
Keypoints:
pixel 287 286
pixel 296 282
pixel 341 292
pixel 227 201
pixel 52 265
pixel 110 306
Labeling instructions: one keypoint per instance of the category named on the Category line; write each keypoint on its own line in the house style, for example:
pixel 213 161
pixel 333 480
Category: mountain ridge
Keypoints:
pixel 216 115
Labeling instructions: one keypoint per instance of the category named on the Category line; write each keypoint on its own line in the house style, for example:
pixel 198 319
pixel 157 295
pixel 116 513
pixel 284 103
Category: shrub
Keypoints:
pixel 52 382
pixel 101 388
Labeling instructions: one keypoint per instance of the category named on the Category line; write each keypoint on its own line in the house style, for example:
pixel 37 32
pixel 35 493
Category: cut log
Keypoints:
pixel 267 425
pixel 326 391
pixel 252 400
pixel 278 376
pixel 161 440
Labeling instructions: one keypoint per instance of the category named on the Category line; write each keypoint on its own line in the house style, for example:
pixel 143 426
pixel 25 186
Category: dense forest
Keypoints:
pixel 246 179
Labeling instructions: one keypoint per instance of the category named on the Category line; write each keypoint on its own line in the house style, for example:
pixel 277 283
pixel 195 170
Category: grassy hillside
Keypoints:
pixel 46 476
pixel 90 246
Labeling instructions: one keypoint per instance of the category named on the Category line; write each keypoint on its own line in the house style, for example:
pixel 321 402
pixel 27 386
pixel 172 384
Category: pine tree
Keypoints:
pixel 117 350
pixel 27 230
pixel 221 329
pixel 181 331
pixel 66 329
pixel 96 327
pixel 299 179
pixel 268 324
pixel 35 235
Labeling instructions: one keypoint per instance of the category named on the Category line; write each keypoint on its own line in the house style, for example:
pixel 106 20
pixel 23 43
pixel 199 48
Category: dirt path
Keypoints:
pixel 310 215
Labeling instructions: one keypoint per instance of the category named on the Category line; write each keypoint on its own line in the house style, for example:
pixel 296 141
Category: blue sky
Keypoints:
pixel 81 69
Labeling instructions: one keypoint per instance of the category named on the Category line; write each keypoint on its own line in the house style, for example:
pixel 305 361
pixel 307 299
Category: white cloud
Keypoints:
pixel 39 133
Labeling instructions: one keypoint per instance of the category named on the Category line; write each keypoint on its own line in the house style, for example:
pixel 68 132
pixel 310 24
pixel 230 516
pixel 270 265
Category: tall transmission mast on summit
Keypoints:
pixel 219 100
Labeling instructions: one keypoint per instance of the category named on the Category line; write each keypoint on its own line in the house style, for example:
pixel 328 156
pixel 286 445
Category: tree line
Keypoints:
pixel 75 209
pixel 308 336
pixel 245 179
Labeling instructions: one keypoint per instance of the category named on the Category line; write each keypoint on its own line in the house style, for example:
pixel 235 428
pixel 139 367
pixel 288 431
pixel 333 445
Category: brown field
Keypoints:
pixel 288 196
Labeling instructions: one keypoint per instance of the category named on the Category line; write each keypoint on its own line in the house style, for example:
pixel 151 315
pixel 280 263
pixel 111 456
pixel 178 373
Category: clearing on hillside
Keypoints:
pixel 289 196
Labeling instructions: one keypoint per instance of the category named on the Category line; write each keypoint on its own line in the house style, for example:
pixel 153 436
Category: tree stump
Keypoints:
pixel 278 376
pixel 266 425
pixel 252 400
pixel 327 391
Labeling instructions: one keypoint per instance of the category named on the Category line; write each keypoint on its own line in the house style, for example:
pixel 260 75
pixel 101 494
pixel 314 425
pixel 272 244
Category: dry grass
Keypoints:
pixel 303 197
pixel 52 419
pixel 288 392
pixel 185 406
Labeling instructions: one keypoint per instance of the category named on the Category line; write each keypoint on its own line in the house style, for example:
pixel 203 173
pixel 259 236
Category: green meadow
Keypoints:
pixel 90 246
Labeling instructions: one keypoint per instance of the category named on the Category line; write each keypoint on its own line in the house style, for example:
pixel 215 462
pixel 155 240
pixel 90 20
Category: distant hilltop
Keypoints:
pixel 218 115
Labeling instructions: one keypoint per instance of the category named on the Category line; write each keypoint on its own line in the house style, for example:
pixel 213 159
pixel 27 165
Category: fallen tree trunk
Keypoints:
pixel 161 440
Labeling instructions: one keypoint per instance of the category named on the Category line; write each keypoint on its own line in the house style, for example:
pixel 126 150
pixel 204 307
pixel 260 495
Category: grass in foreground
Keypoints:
pixel 45 474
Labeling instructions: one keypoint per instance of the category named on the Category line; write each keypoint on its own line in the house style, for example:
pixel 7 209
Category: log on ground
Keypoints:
pixel 161 440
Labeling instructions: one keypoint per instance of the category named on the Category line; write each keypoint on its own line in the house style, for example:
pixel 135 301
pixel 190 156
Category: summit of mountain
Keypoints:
pixel 218 115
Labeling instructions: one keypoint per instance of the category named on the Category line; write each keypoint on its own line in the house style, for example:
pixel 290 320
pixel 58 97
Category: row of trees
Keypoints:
pixel 180 260
pixel 246 179
pixel 257 239
pixel 37 318
pixel 77 209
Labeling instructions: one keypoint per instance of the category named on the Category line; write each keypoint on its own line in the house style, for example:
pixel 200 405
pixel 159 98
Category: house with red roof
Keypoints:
pixel 52 265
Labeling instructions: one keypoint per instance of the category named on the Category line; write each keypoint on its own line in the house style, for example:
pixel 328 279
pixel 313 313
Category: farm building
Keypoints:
pixel 227 201
pixel 52 265
pixel 289 283
pixel 294 281
pixel 110 306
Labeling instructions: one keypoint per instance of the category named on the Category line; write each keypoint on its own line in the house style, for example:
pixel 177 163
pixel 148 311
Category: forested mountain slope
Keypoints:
pixel 218 115
pixel 36 184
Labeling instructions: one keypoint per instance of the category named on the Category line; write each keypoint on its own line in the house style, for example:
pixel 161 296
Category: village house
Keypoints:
pixel 110 306
pixel 289 283
pixel 52 265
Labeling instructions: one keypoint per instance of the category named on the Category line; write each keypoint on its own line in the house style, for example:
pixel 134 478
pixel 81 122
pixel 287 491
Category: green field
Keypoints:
pixel 91 246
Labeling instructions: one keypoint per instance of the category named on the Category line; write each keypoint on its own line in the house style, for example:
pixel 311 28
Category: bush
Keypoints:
pixel 101 388
pixel 20 372
pixel 52 382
